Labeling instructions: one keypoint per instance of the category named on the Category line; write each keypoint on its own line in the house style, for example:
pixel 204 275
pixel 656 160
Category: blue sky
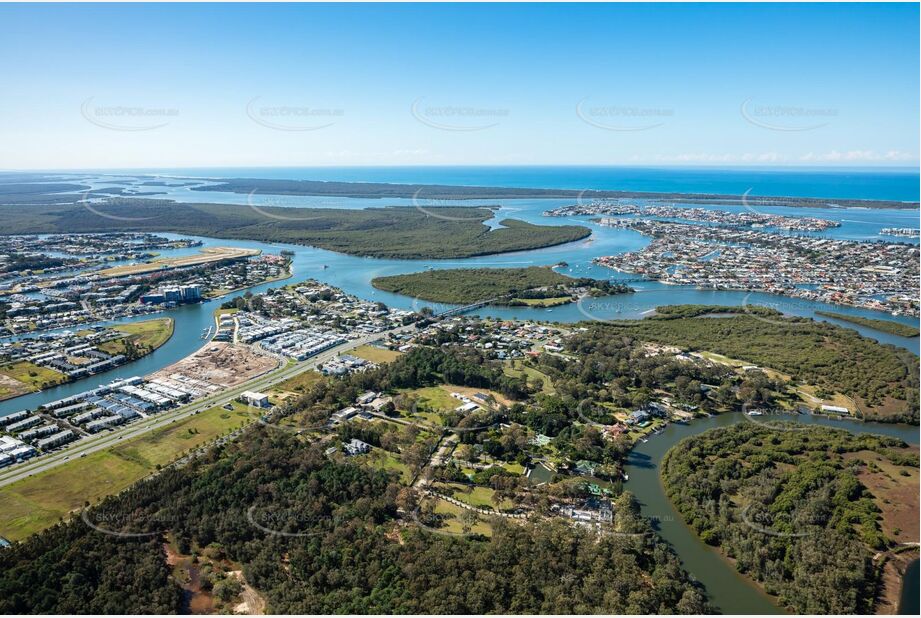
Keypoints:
pixel 92 86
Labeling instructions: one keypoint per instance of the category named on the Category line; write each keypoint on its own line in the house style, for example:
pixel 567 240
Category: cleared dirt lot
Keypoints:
pixel 221 364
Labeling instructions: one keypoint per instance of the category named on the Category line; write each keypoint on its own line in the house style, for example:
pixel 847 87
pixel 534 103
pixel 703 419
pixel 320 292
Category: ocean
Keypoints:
pixel 900 184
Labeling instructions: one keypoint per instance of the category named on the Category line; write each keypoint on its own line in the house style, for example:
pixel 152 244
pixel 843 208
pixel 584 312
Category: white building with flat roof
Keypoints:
pixel 253 398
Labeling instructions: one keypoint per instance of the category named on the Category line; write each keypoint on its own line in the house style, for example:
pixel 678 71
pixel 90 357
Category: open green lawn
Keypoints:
pixel 435 398
pixel 453 523
pixel 518 369
pixel 513 466
pixel 146 335
pixel 544 302
pixel 473 495
pixel 384 460
pixel 375 354
pixel 39 501
pixel 164 445
pixel 300 383
pixel 34 378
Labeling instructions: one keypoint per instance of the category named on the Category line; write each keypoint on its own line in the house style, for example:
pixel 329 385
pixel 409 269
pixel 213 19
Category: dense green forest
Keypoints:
pixel 467 285
pixel 885 326
pixel 882 378
pixel 406 233
pixel 789 507
pixel 346 549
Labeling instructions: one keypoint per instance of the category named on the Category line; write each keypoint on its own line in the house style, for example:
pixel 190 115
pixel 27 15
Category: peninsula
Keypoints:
pixel 398 232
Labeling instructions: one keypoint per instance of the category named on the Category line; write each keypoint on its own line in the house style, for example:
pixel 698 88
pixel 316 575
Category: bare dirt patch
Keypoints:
pixel 890 586
pixel 221 364
pixel 896 491
pixel 10 387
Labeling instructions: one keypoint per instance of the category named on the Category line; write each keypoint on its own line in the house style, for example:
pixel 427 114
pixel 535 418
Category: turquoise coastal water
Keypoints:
pixel 857 183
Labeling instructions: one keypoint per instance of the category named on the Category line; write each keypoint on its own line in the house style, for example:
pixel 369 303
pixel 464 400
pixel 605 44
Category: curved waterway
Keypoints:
pixel 731 592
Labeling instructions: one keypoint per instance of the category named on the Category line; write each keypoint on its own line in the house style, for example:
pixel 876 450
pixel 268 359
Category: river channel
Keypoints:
pixel 731 592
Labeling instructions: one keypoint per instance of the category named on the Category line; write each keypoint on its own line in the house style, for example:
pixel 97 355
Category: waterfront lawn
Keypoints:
pixel 39 501
pixel 33 377
pixel 542 302
pixel 375 354
pixel 146 336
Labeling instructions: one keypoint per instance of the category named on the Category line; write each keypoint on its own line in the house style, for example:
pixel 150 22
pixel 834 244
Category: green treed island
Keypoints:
pixel 398 232
pixel 806 512
pixel 463 285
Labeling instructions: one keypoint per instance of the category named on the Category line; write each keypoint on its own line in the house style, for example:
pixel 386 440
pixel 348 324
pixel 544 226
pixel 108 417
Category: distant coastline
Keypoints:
pixel 424 192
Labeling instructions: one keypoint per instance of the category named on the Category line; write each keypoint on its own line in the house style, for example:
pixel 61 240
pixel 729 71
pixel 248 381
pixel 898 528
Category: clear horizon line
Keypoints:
pixel 785 167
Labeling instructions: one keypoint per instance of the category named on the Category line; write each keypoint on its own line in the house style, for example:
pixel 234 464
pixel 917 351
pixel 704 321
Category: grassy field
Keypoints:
pixel 543 302
pixel 435 398
pixel 452 522
pixel 300 383
pixel 146 335
pixel 383 460
pixel 518 369
pixel 164 445
pixel 39 501
pixel 375 354
pixel 31 376
pixel 474 496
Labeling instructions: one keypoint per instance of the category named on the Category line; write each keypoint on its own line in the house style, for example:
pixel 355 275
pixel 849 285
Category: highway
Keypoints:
pixel 107 439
